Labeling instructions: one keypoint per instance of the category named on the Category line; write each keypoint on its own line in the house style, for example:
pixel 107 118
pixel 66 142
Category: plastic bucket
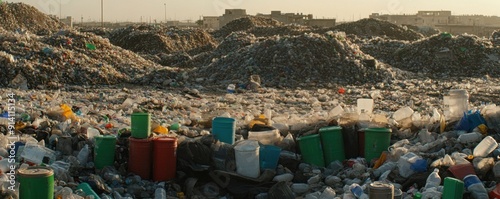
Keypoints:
pixel 247 158
pixel 87 190
pixel 269 156
pixel 462 170
pixel 332 142
pixel 36 183
pixel 140 157
pixel 377 140
pixel 223 129
pixel 140 125
pixel 104 151
pixel 164 162
pixel 453 188
pixel 310 148
pixel 381 190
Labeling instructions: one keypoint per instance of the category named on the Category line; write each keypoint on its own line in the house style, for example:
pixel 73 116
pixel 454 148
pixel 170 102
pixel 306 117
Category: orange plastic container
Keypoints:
pixel 164 163
pixel 140 153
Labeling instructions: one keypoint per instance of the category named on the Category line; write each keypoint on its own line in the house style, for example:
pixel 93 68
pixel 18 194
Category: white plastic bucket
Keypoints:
pixel 247 158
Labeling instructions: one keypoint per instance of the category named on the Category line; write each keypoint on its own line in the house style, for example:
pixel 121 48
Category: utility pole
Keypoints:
pixel 102 14
pixel 165 12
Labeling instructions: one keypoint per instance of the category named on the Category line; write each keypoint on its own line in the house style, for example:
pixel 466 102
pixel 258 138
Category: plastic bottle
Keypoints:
pixel 231 88
pixel 83 155
pixel 469 137
pixel 160 193
pixel 433 180
pixel 485 147
pixel 475 186
pixel 357 191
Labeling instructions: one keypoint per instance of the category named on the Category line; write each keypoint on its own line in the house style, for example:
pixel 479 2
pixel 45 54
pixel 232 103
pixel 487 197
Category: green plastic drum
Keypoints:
pixel 310 148
pixel 333 144
pixel 377 140
pixel 36 183
pixel 104 151
pixel 140 125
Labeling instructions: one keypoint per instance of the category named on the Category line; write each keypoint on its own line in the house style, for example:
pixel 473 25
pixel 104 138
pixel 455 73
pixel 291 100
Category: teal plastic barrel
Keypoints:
pixel 140 125
pixel 332 142
pixel 36 183
pixel 310 148
pixel 269 156
pixel 223 129
pixel 104 151
pixel 377 140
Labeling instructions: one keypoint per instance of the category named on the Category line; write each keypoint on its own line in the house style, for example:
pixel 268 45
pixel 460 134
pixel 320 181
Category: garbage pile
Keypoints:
pixel 149 39
pixel 424 30
pixel 22 17
pixel 245 24
pixel 375 27
pixel 232 43
pixel 97 143
pixel 289 29
pixel 495 38
pixel 99 31
pixel 67 57
pixel 293 60
pixel 380 48
pixel 445 55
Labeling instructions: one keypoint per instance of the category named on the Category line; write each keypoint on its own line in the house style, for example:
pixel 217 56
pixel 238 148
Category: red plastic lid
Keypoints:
pixel 495 193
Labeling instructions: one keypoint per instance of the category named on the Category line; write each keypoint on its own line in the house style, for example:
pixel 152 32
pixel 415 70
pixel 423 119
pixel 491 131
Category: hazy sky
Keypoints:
pixel 342 10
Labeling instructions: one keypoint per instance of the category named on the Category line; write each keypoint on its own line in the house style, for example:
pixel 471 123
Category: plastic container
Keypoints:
pixel 470 137
pixel 377 140
pixel 433 180
pixel 164 162
pixel 104 151
pixel 456 102
pixel 310 148
pixel 140 161
pixel 453 188
pixel 475 186
pixel 269 156
pixel 36 183
pixel 231 88
pixel 485 147
pixel 332 142
pixel 140 125
pixel 87 190
pixel 381 190
pixel 247 158
pixel 364 104
pixel 265 137
pixel 223 129
pixel 462 170
pixel 495 193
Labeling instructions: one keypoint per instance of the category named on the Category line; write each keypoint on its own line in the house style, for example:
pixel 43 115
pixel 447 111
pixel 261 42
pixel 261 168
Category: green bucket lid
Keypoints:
pixel 36 172
pixel 379 130
pixel 330 128
pixel 308 137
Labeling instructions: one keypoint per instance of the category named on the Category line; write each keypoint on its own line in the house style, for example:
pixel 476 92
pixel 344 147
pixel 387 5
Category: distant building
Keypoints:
pixel 479 25
pixel 287 18
pixel 211 22
pixel 230 15
pixel 68 21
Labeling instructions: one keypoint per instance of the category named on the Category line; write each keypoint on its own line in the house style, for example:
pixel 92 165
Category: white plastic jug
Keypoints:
pixel 247 158
pixel 485 147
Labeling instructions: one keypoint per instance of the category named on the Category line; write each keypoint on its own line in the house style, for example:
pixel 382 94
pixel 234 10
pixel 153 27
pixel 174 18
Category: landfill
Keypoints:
pixel 375 27
pixel 22 17
pixel 263 112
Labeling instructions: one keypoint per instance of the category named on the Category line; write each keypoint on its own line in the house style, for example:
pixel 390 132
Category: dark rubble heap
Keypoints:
pixel 293 60
pixel 245 24
pixel 68 57
pixel 147 39
pixel 374 27
pixel 445 55
pixel 23 17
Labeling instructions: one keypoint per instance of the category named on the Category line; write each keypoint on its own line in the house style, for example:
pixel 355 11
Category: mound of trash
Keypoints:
pixel 292 60
pixel 375 27
pixel 68 57
pixel 245 24
pixel 291 29
pixel 20 16
pixel 380 48
pixel 495 37
pixel 445 55
pixel 424 30
pixel 147 39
